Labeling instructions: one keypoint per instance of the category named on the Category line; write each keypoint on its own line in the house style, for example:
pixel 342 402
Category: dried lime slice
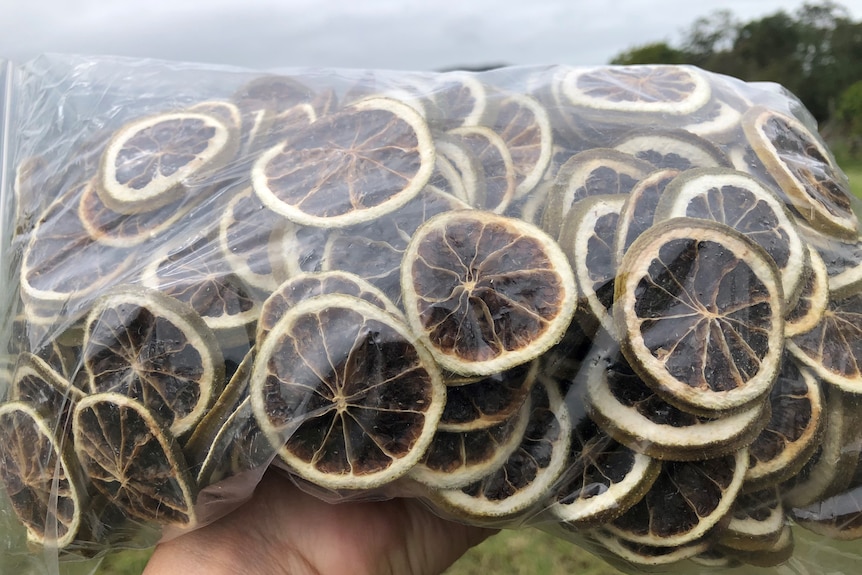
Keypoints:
pixel 457 458
pixel 63 265
pixel 196 274
pixel 649 555
pixel 813 298
pixel 671 149
pixel 778 553
pixel 152 162
pixel 794 430
pixel 229 441
pixel 246 230
pixel 745 204
pixel 41 476
pixel 756 521
pixel 833 348
pixel 37 384
pixel 655 89
pixel 128 230
pixel 830 468
pixel 345 394
pixel 523 124
pixel 633 414
pixel 489 400
pixel 638 212
pixel 349 167
pixel 262 99
pixel 587 238
pixel 526 477
pixel 411 89
pixel 600 171
pixel 805 170
pixel 308 285
pixel 132 459
pixel 843 260
pixel 685 502
pixel 461 99
pixel 485 292
pixel 838 517
pixel 225 111
pixel 603 478
pixel 153 348
pixel 701 310
pixel 455 161
pixel 297 249
pixel 374 250
pixel 495 165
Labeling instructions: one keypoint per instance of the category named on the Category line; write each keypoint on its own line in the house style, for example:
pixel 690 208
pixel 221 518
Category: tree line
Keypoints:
pixel 815 52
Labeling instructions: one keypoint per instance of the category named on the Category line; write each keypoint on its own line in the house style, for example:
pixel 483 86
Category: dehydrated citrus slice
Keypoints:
pixel 633 414
pixel 649 555
pixel 128 230
pixel 716 559
pixel 461 99
pixel 838 517
pixel 813 297
pixel 778 553
pixel 229 441
pixel 587 237
pixel 456 161
pixel 196 274
pixel 153 348
pixel 131 459
pixel 349 167
pixel 833 348
pixel 262 99
pixel 526 477
pixel 308 285
pixel 743 203
pixel 495 164
pixel 62 264
pixel 36 383
pixel 297 249
pixel 756 521
pixel 488 401
pixel 246 230
pixel 830 468
pixel 843 260
pixel 600 171
pixel 603 478
pixel 374 250
pixel 638 212
pixel 227 112
pixel 701 310
pixel 794 429
pixel 671 149
pixel 523 124
pixel 345 394
pixel 40 475
pixel 655 89
pixel 485 292
pixel 685 502
pixel 805 170
pixel 151 162
pixel 457 458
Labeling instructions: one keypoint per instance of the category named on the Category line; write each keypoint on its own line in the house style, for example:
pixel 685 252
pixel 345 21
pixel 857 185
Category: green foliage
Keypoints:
pixel 650 54
pixel 849 110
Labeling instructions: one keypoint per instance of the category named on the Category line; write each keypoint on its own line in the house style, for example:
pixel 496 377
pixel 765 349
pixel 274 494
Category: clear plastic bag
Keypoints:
pixel 620 304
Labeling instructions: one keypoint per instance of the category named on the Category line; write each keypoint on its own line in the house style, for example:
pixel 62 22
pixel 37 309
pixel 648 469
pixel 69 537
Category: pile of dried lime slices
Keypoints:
pixel 624 304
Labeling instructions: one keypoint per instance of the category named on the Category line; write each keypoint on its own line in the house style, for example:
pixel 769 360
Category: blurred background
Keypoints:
pixel 814 49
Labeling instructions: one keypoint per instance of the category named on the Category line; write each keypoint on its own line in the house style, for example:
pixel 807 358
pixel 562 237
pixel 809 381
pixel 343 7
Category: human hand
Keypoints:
pixel 283 530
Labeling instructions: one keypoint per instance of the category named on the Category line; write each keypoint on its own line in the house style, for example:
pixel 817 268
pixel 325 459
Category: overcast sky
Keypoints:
pixel 397 34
